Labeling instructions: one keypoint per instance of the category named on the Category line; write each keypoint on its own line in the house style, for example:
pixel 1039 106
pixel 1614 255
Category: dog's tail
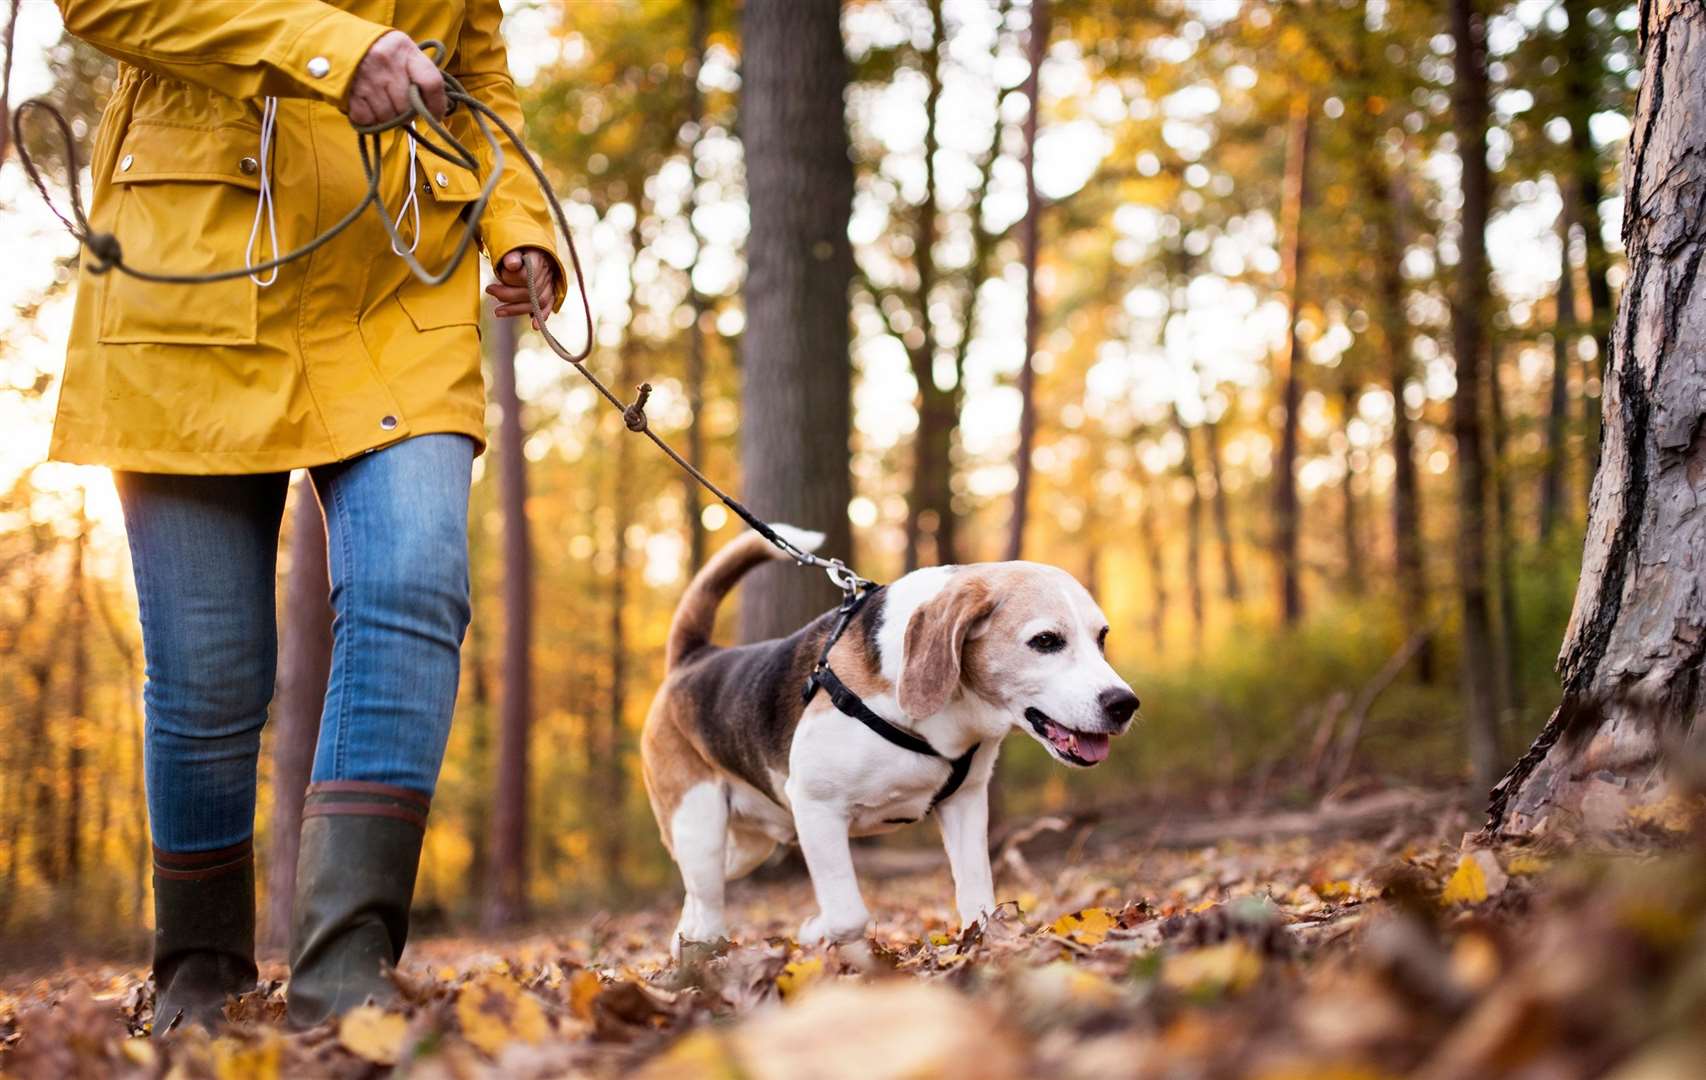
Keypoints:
pixel 697 613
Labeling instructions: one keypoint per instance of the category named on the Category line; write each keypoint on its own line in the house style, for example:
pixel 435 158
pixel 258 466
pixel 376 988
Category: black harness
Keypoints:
pixel 823 677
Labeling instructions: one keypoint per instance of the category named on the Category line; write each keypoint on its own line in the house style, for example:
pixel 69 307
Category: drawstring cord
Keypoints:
pixel 263 200
pixel 411 201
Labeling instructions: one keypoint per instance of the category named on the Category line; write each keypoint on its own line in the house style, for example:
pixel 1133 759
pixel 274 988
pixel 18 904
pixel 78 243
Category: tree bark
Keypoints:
pixel 1632 657
pixel 796 386
pixel 1469 308
pixel 1288 373
pixel 11 35
pixel 1229 580
pixel 1383 188
pixel 1554 475
pixel 696 333
pixel 1193 530
pixel 1350 528
pixel 506 902
pixel 1150 535
pixel 929 510
pixel 304 665
pixel 1037 49
pixel 78 703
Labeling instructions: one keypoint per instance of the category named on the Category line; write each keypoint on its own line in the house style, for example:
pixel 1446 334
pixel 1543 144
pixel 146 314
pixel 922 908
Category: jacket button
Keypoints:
pixel 319 67
pixel 443 180
pixel 248 166
pixel 129 160
pixel 388 422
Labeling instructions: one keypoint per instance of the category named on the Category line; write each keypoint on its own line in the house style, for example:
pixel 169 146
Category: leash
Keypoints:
pixel 108 255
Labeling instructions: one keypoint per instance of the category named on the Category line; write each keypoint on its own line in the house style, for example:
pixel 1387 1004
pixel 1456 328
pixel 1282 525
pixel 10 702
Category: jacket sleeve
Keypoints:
pixel 517 215
pixel 283 48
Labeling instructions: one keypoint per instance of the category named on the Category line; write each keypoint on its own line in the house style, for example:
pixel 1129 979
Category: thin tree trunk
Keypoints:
pixel 1229 580
pixel 1354 582
pixel 506 902
pixel 796 384
pixel 6 78
pixel 696 333
pixel 78 703
pixel 1554 476
pixel 1151 539
pixel 1633 657
pixel 1288 372
pixel 1384 190
pixel 1584 73
pixel 304 665
pixel 1508 693
pixel 1037 49
pixel 1193 530
pixel 1469 309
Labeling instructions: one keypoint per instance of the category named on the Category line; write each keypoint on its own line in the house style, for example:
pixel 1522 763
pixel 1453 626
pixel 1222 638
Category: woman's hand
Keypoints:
pixel 510 289
pixel 380 89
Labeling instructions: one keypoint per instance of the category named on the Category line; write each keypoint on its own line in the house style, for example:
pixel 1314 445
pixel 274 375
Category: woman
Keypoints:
pixel 226 141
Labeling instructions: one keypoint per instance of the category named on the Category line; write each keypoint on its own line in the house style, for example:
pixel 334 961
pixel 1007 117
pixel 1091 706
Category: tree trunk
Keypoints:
pixel 696 333
pixel 1352 531
pixel 1632 657
pixel 1507 695
pixel 932 443
pixel 1554 476
pixel 1151 538
pixel 1193 530
pixel 506 901
pixel 1037 48
pixel 1383 188
pixel 1584 74
pixel 1288 373
pixel 1229 581
pixel 1469 309
pixel 796 377
pixel 77 726
pixel 11 35
pixel 304 665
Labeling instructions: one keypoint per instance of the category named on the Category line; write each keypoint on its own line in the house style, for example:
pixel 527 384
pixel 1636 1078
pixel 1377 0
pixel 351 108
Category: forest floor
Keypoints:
pixel 1361 940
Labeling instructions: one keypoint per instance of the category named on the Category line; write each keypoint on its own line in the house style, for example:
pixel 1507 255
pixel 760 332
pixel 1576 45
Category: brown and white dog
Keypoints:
pixel 735 764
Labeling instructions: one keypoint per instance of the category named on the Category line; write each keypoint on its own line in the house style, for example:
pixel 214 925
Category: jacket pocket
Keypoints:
pixel 186 200
pixel 446 192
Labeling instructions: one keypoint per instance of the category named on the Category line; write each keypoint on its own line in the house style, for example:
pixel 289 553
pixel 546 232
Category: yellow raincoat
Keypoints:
pixel 345 351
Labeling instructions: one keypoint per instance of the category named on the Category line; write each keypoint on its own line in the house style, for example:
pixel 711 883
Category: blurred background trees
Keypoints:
pixel 1313 402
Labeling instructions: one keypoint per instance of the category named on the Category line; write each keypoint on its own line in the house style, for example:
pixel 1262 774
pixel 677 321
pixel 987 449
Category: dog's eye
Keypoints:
pixel 1048 641
pixel 1102 640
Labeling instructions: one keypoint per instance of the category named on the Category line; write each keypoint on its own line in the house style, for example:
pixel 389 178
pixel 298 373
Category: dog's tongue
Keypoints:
pixel 1093 748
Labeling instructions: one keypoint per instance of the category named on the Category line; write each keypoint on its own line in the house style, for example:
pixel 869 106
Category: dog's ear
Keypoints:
pixel 935 642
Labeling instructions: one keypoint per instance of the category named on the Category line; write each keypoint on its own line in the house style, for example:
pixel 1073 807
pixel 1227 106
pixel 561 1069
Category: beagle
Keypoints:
pixel 736 763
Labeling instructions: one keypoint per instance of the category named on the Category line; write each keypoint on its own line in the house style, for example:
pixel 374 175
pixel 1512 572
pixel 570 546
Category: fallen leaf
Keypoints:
pixel 584 988
pixel 372 1034
pixel 1087 927
pixel 234 1059
pixel 1231 965
pixel 1477 877
pixel 494 1011
pixel 798 975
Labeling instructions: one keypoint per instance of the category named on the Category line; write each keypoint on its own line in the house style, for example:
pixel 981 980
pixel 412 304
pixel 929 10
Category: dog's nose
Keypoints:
pixel 1118 704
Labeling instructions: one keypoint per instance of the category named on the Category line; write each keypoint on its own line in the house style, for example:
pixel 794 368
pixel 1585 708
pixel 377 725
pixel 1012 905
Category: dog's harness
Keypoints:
pixel 824 677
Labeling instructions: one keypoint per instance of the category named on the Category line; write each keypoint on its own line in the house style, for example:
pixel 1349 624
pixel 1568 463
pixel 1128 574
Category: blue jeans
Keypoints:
pixel 205 550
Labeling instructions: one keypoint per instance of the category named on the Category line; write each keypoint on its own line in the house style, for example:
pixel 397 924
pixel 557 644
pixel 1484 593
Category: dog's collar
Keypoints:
pixel 845 700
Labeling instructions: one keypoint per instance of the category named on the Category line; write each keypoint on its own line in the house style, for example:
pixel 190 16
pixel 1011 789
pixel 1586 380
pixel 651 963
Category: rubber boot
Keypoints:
pixel 355 876
pixel 204 934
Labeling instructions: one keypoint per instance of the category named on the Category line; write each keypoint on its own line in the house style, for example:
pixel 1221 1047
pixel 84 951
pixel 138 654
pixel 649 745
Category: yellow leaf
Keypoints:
pixel 1335 890
pixel 1525 864
pixel 584 988
pixel 140 1052
pixel 1087 927
pixel 1468 884
pixel 494 1012
pixel 798 975
pixel 372 1034
pixel 234 1059
pixel 1673 813
pixel 940 938
pixel 1231 965
pixel 447 974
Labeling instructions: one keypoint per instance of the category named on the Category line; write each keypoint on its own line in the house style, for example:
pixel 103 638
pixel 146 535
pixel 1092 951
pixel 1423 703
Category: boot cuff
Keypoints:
pixel 201 865
pixel 361 798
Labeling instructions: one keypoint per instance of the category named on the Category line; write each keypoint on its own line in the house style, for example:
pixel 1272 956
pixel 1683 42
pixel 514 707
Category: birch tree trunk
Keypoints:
pixel 1632 656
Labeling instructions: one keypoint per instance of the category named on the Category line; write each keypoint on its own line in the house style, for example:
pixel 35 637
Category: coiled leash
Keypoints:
pixel 108 255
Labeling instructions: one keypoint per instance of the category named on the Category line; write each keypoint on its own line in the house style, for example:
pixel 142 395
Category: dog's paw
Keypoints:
pixel 820 929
